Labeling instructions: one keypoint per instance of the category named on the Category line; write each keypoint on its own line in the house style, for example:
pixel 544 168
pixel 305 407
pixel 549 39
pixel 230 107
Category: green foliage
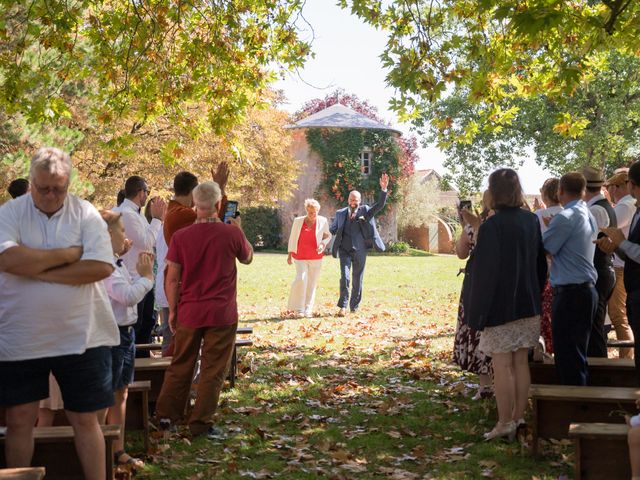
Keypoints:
pixel 418 205
pixel 134 62
pixel 493 50
pixel 597 125
pixel 339 150
pixel 398 247
pixel 262 227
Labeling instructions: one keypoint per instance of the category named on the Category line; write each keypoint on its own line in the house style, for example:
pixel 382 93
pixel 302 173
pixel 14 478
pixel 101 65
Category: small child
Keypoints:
pixel 124 294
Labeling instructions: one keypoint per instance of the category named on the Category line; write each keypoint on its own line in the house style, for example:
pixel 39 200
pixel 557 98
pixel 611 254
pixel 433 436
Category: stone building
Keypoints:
pixel 309 181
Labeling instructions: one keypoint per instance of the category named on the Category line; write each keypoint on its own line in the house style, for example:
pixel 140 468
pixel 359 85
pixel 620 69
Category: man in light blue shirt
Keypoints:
pixel 569 239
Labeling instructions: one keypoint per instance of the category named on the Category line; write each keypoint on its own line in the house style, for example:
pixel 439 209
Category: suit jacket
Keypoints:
pixel 364 216
pixel 508 270
pixel 322 227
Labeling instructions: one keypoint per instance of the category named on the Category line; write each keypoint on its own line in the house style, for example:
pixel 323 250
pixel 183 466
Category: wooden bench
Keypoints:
pixel 601 450
pixel 55 450
pixel 31 473
pixel 158 346
pixel 603 372
pixel 152 369
pixel 137 418
pixel 620 343
pixel 555 407
pixel 138 409
pixel 233 369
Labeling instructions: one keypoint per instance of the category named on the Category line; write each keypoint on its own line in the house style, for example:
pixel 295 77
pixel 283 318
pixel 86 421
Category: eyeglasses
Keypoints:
pixel 57 191
pixel 145 190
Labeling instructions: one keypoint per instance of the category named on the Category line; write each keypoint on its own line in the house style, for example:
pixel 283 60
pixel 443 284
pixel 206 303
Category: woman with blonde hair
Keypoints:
pixel 308 239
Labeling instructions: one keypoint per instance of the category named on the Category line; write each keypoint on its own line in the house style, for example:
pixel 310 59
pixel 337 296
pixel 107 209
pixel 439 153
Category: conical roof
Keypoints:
pixel 339 116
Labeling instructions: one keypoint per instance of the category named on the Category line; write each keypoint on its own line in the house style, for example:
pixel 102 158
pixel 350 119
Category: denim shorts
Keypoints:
pixel 84 379
pixel 123 359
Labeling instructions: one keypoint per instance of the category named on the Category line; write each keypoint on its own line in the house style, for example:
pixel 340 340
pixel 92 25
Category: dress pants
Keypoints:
pixel 618 312
pixel 217 349
pixel 633 313
pixel 598 338
pixel 357 259
pixel 572 313
pixel 303 288
pixel 145 323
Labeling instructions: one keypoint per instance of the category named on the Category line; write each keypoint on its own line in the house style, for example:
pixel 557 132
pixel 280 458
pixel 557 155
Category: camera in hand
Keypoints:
pixel 465 204
pixel 230 211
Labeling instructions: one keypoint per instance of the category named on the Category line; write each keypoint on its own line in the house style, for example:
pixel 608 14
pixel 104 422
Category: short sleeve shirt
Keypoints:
pixel 41 319
pixel 207 253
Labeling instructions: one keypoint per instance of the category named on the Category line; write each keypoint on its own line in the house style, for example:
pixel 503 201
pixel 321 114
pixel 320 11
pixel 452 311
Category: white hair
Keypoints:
pixel 51 160
pixel 355 192
pixel 206 195
pixel 312 202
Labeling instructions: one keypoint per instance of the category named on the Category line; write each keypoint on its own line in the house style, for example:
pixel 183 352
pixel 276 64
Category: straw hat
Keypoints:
pixel 594 177
pixel 619 178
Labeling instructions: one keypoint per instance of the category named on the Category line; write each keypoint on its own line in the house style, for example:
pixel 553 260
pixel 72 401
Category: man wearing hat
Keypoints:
pixel 625 208
pixel 605 217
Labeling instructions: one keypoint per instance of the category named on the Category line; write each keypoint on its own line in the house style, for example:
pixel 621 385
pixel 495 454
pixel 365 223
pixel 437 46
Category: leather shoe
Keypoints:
pixel 342 312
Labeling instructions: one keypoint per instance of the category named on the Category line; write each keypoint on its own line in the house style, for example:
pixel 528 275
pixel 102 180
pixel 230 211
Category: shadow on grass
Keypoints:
pixel 396 412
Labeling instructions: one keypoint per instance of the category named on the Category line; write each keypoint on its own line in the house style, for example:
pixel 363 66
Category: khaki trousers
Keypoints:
pixel 618 312
pixel 217 349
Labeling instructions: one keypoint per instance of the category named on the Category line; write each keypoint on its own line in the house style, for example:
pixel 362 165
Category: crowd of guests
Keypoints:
pixel 77 294
pixel 80 288
pixel 543 280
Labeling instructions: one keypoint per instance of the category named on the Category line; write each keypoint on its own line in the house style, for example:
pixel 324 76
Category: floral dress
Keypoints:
pixel 465 345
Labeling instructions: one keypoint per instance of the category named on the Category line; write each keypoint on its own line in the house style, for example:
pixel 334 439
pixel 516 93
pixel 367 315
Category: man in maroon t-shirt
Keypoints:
pixel 201 287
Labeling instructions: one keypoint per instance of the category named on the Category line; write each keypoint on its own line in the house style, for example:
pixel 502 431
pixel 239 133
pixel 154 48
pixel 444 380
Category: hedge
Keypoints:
pixel 262 227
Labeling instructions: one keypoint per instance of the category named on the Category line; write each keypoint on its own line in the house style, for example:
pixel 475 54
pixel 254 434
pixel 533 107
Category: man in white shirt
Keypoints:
pixel 143 236
pixel 54 312
pixel 605 217
pixel 625 208
pixel 629 249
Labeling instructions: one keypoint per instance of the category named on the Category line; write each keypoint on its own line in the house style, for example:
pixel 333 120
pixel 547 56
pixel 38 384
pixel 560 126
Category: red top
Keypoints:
pixel 207 253
pixel 307 244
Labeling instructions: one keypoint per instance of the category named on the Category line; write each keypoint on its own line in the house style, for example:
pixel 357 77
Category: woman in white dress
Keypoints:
pixel 308 239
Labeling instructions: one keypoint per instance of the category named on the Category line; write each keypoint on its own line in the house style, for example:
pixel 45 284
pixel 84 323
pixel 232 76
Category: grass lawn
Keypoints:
pixel 372 395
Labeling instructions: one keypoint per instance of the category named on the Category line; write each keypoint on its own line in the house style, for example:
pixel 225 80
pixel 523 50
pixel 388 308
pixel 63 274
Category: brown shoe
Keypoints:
pixel 342 312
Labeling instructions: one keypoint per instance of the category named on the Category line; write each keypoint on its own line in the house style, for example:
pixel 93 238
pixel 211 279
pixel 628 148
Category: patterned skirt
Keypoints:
pixel 465 348
pixel 510 337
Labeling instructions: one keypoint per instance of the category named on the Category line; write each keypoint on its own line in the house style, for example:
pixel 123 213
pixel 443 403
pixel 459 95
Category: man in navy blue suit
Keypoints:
pixel 355 232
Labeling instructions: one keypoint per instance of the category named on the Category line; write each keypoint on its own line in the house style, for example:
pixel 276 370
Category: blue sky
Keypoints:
pixel 347 56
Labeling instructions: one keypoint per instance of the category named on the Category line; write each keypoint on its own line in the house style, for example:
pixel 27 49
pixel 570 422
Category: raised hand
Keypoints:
pixel 384 181
pixel 470 218
pixel 158 208
pixel 220 175
pixel 144 266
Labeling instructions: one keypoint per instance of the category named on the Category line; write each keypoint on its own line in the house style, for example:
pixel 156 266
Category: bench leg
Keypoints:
pixel 145 419
pixel 108 450
pixel 535 430
pixel 233 369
